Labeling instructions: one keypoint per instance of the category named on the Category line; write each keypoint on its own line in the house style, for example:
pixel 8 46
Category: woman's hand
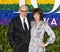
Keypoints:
pixel 43 45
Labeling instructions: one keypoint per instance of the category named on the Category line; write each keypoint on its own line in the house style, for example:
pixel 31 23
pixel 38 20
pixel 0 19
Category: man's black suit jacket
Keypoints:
pixel 18 37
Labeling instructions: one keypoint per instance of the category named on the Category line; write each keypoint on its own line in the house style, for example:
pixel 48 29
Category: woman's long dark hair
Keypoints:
pixel 39 11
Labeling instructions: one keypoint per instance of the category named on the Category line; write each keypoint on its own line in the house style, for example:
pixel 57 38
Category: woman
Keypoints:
pixel 38 28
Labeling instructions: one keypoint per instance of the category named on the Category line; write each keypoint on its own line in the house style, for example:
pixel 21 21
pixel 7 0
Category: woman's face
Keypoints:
pixel 36 17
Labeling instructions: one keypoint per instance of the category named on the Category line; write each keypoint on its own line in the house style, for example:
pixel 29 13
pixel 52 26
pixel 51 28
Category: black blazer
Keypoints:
pixel 16 34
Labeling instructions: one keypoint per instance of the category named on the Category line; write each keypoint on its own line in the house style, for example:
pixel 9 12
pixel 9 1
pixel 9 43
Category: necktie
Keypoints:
pixel 25 26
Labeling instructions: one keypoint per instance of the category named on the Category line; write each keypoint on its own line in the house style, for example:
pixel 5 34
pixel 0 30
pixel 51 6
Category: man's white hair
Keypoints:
pixel 22 6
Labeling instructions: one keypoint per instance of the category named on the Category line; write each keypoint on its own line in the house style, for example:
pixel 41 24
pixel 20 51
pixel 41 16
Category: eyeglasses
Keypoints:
pixel 24 10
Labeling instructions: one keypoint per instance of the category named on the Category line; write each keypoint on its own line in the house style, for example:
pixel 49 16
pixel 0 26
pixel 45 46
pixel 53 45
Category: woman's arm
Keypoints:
pixel 50 32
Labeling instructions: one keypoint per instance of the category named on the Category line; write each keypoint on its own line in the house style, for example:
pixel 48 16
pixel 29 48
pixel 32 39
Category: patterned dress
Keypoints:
pixel 37 36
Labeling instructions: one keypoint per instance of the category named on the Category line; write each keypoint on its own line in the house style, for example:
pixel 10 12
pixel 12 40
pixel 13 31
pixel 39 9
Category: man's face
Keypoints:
pixel 23 11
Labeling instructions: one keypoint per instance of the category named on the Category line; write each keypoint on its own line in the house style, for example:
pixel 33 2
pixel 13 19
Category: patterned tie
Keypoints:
pixel 25 26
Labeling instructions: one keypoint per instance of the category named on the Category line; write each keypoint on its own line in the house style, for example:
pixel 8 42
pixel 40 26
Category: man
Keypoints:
pixel 19 31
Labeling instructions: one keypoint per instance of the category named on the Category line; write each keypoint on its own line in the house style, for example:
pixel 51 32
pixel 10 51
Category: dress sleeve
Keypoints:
pixel 50 33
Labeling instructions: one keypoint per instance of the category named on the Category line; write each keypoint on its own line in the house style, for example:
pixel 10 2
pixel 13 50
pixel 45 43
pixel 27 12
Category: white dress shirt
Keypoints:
pixel 26 21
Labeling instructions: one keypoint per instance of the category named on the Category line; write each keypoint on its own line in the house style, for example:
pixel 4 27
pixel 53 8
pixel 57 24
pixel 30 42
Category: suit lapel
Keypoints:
pixel 20 23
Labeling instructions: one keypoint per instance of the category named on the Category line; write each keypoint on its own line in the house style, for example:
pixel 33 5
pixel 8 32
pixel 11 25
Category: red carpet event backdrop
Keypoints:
pixel 51 13
pixel 51 10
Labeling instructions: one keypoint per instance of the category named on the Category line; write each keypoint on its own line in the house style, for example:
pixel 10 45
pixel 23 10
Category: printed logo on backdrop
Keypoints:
pixel 35 5
pixel 51 10
pixel 53 21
